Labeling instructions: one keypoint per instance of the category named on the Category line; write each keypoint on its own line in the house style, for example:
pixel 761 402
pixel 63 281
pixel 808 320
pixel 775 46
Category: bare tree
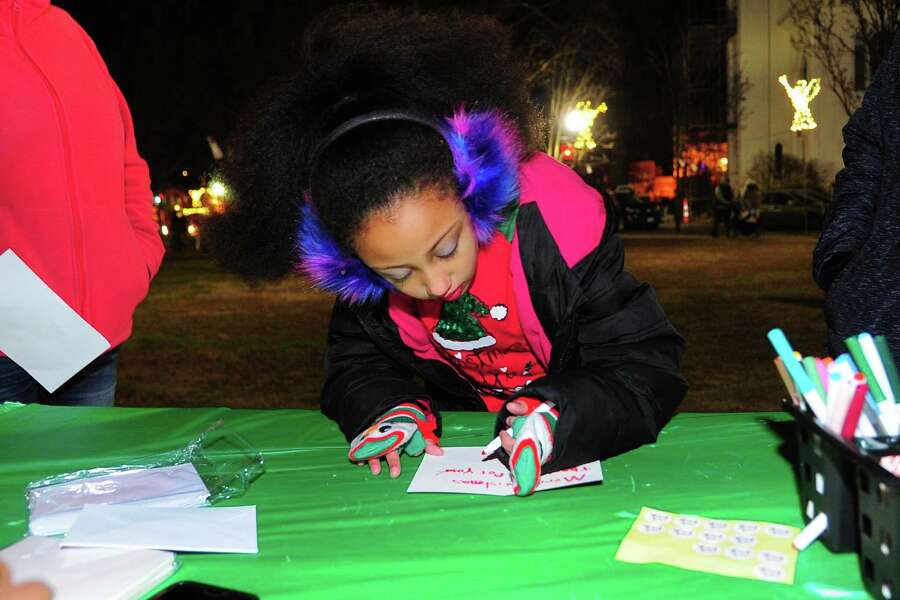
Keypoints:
pixel 738 87
pixel 821 32
pixel 877 21
pixel 571 61
pixel 567 81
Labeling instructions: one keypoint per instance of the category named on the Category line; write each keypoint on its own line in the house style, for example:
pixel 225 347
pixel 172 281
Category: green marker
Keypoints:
pixel 890 368
pixel 809 364
pixel 862 364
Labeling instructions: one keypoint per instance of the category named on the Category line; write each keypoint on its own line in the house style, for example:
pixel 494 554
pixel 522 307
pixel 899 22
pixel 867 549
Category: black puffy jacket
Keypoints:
pixel 613 370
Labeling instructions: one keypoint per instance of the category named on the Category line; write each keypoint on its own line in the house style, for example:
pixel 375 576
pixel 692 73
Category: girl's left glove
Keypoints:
pixel 404 427
pixel 532 447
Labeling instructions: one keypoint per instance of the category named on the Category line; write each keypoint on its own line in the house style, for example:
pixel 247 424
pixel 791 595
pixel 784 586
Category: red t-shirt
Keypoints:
pixel 480 334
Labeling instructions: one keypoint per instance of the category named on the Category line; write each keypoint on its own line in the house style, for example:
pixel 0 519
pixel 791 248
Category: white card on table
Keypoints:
pixel 39 331
pixel 230 529
pixel 82 574
pixel 461 471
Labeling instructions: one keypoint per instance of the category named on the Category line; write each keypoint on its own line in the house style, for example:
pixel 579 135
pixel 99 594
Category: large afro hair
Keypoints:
pixel 354 61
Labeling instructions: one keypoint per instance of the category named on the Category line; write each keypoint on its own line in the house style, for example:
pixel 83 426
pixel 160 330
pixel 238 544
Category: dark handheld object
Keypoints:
pixel 194 590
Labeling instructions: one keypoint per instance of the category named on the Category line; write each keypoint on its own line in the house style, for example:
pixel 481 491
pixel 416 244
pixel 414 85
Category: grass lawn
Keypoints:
pixel 203 338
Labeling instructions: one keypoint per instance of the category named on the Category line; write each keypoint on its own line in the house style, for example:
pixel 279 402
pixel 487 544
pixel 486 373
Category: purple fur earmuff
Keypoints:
pixel 486 150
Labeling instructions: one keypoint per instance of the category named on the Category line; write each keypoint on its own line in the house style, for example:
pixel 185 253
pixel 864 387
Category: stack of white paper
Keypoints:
pixel 53 508
pixel 230 529
pixel 77 574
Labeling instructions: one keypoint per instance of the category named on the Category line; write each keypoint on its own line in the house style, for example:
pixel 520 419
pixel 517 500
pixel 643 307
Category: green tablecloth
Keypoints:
pixel 328 529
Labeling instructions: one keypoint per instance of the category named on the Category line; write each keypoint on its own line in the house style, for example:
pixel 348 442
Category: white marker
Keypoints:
pixel 495 443
pixel 811 532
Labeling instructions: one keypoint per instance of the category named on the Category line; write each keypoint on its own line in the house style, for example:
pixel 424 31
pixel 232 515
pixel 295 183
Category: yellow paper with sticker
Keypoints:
pixel 749 549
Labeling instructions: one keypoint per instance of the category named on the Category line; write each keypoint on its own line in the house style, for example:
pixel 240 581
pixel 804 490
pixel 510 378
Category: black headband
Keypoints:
pixel 371 117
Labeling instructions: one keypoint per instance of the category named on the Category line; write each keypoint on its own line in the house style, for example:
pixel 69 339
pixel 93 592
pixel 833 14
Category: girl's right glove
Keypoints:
pixel 405 427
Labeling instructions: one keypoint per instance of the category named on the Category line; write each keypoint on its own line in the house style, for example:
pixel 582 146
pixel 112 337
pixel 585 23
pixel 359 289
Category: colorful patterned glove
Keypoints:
pixel 403 427
pixel 533 435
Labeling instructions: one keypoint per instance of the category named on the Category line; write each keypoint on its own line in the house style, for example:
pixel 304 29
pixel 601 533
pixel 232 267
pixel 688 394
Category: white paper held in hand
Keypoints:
pixel 230 529
pixel 39 331
pixel 462 470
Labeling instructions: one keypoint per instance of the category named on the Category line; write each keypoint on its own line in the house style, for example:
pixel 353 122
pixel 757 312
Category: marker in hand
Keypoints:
pixel 494 444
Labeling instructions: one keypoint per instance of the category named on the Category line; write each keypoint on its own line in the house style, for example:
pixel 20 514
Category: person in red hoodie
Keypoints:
pixel 75 200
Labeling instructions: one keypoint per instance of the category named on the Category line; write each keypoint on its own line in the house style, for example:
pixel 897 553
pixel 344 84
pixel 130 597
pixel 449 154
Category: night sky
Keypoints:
pixel 188 68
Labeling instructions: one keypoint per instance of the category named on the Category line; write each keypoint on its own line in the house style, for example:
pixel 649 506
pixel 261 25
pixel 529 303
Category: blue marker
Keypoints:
pixel 798 374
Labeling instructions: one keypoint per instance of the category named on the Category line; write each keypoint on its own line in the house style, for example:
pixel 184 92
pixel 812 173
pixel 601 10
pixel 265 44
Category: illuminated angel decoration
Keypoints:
pixel 801 94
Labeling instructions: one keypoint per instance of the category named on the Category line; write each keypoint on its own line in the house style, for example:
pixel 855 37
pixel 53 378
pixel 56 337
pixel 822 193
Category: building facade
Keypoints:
pixel 760 52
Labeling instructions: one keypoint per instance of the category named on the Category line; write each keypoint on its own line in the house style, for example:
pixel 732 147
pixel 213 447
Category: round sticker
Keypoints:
pixel 706 549
pixel 771 556
pixel 747 527
pixel 682 533
pixel 769 572
pixel 690 522
pixel 744 540
pixel 739 553
pixel 716 525
pixel 650 528
pixel 712 536
pixel 657 517
pixel 778 531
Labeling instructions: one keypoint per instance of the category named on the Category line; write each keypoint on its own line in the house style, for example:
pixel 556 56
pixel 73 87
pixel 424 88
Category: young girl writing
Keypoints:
pixel 398 170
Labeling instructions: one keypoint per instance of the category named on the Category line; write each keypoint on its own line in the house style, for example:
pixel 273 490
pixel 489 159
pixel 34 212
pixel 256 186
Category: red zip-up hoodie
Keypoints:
pixel 75 200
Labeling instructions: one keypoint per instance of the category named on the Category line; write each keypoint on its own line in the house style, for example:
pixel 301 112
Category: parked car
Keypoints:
pixel 792 210
pixel 636 212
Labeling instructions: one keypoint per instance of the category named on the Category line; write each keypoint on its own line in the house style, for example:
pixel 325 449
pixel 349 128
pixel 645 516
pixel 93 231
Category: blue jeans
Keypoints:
pixel 94 385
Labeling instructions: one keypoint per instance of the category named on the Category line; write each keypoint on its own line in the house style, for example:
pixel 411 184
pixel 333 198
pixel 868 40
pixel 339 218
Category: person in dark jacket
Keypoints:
pixel 723 208
pixel 462 259
pixel 857 259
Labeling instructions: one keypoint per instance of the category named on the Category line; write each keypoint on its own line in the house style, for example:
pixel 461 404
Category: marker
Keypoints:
pixel 867 343
pixel 890 367
pixel 844 365
pixel 494 444
pixel 786 379
pixel 848 429
pixel 872 424
pixel 811 532
pixel 804 384
pixel 822 370
pixel 859 357
pixel 840 392
pixel 809 365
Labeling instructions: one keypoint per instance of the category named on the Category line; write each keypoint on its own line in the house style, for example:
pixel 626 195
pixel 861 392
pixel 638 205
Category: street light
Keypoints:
pixel 578 120
pixel 217 188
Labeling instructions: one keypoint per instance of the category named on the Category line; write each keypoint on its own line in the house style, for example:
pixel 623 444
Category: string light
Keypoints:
pixel 581 120
pixel 800 95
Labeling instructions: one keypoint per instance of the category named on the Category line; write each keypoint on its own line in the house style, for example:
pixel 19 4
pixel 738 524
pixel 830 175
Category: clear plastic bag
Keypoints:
pixel 217 465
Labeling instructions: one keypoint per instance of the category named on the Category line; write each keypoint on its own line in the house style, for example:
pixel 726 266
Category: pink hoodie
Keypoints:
pixel 75 200
pixel 574 214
